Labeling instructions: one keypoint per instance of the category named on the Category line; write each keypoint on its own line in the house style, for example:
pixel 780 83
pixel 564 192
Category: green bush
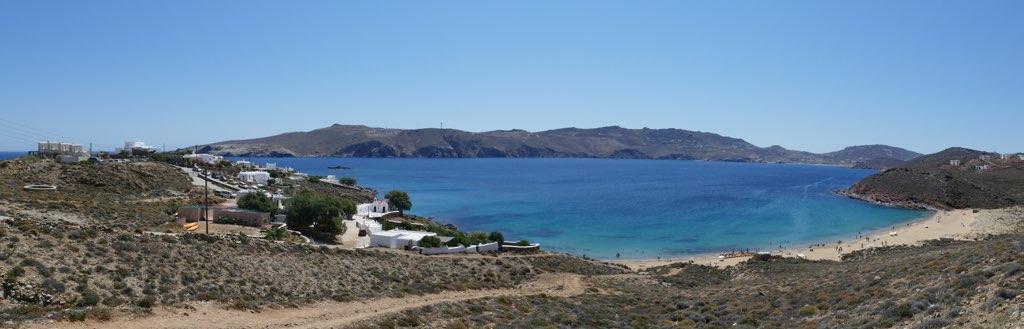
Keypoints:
pixel 496 237
pixel 257 201
pixel 430 242
pixel 523 243
pixel 275 233
pixel 347 181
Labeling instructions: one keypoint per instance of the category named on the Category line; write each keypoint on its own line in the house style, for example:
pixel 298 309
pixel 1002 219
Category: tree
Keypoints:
pixel 399 200
pixel 347 181
pixel 496 237
pixel 317 214
pixel 348 208
pixel 257 201
pixel 429 242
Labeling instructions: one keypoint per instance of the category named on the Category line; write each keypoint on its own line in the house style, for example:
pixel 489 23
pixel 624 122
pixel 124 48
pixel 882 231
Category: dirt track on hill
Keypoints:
pixel 324 314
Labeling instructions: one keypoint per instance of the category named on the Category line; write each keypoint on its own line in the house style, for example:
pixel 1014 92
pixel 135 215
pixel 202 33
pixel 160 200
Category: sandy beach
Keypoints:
pixel 964 224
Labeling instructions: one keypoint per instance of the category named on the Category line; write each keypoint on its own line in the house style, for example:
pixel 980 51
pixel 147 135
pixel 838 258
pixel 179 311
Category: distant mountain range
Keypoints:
pixel 607 142
pixel 952 179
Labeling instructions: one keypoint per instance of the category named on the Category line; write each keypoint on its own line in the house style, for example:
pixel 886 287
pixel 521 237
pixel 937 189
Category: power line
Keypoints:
pixel 18 138
pixel 45 134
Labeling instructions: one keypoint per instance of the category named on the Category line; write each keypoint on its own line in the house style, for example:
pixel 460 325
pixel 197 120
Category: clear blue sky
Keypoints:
pixel 809 75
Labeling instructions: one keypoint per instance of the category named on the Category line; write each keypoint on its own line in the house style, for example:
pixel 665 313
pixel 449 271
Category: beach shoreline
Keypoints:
pixel 960 224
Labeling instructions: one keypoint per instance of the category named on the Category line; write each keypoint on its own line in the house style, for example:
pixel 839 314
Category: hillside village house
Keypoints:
pixel 1005 156
pixel 983 167
pixel 985 157
pixel 1020 157
pixel 254 177
pixel 397 238
pixel 204 158
pixel 378 206
pixel 137 147
pixel 955 163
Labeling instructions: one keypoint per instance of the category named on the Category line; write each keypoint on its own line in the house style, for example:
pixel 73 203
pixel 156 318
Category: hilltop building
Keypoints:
pixel 137 148
pixel 955 163
pixel 254 177
pixel 63 152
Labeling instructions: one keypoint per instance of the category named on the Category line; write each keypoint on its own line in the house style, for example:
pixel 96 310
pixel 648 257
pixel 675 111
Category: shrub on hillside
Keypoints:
pixel 430 242
pixel 257 201
pixel 318 214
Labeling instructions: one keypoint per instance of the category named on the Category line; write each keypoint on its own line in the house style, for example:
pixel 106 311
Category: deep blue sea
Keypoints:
pixel 637 208
pixel 11 155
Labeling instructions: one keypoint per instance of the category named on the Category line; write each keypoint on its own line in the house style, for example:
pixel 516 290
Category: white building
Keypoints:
pixel 243 163
pixel 983 167
pixel 1020 157
pixel 205 158
pixel 378 206
pixel 955 163
pixel 254 177
pixel 133 147
pixel 63 152
pixel 985 157
pixel 58 148
pixel 397 238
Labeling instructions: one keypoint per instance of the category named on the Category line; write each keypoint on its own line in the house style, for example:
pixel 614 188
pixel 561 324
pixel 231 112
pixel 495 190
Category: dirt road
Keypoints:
pixel 324 314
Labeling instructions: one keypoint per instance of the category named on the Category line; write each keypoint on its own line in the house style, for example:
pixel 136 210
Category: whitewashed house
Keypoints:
pixel 137 147
pixel 397 238
pixel 955 163
pixel 254 177
pixel 1005 156
pixel 205 158
pixel 378 206
pixel 1020 157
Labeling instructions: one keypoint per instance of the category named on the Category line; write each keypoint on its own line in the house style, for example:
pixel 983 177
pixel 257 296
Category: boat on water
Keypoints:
pixel 338 167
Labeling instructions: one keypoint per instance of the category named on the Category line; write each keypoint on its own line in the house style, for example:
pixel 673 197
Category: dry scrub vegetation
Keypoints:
pixel 85 251
pixel 939 285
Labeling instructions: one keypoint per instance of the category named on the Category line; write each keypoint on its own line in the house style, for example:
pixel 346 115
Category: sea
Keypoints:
pixel 629 209
pixel 4 155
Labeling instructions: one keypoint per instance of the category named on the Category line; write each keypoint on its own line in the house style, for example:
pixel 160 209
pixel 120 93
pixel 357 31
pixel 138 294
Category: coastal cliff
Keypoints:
pixel 606 142
pixel 956 178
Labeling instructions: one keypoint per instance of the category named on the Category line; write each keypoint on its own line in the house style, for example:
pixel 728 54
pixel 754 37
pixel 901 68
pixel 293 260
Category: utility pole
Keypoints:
pixel 206 204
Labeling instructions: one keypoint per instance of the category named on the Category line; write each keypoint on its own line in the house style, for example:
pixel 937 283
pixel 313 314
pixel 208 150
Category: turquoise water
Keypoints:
pixel 636 208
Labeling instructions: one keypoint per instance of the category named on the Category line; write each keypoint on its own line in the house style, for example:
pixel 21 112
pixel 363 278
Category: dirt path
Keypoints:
pixel 324 314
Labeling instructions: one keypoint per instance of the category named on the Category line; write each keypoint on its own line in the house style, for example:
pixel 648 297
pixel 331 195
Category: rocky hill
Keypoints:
pixel 607 142
pixel 951 179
